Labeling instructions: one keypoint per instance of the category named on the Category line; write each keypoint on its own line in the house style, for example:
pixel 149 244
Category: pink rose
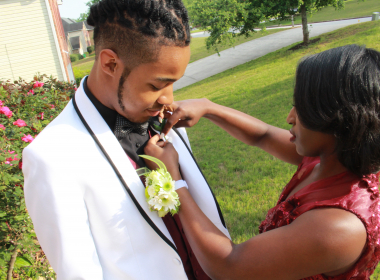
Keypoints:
pixel 27 138
pixel 12 159
pixel 2 127
pixel 31 92
pixel 38 84
pixel 1 103
pixel 52 106
pixel 19 123
pixel 7 162
pixel 75 88
pixel 11 152
pixel 41 117
pixel 5 111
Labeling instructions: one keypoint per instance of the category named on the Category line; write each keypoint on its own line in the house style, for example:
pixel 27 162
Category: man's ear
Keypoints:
pixel 110 62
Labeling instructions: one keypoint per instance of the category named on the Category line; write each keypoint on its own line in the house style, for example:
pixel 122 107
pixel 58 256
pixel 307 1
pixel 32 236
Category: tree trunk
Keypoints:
pixel 305 29
pixel 12 264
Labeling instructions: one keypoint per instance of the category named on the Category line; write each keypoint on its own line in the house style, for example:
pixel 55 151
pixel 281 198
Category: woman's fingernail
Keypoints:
pixel 162 136
pixel 160 119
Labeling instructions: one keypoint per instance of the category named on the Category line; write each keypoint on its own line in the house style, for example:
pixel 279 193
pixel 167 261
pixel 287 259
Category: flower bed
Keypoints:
pixel 25 109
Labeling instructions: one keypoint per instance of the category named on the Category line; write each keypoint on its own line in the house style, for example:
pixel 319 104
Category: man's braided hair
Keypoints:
pixel 135 29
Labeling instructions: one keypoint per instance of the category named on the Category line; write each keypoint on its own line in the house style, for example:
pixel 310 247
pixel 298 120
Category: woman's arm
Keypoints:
pixel 325 241
pixel 320 241
pixel 245 128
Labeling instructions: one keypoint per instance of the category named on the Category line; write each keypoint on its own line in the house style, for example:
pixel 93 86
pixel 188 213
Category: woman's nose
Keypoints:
pixel 291 119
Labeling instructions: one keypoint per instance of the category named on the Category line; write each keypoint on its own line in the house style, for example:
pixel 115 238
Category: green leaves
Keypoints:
pixel 37 112
pixel 22 261
pixel 226 19
pixel 222 18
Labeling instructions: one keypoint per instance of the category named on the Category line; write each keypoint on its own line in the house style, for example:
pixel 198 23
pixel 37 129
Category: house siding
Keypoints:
pixel 27 45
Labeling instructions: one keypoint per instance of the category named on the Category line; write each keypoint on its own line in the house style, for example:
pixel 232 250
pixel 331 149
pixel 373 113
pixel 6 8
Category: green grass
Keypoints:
pixel 246 180
pixel 198 51
pixel 353 9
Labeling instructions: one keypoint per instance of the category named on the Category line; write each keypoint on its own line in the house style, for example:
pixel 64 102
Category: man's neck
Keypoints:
pixel 96 86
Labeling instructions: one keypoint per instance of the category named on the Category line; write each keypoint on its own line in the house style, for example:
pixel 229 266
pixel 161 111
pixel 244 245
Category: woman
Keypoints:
pixel 325 224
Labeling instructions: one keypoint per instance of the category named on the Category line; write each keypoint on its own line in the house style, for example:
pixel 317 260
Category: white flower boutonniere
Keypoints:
pixel 160 190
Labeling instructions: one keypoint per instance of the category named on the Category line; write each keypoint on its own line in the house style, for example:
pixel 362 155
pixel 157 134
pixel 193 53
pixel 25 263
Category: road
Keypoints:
pixel 214 64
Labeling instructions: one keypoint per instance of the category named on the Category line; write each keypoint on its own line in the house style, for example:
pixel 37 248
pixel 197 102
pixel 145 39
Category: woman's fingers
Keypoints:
pixel 185 113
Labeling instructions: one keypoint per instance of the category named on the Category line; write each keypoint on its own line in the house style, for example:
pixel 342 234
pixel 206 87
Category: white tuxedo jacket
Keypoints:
pixel 88 205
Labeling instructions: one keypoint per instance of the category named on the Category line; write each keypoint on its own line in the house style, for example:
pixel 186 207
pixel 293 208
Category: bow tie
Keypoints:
pixel 124 127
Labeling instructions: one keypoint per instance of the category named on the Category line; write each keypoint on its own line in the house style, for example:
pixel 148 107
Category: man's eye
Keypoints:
pixel 155 88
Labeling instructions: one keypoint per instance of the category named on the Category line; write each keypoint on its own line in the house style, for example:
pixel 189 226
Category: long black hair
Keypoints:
pixel 338 92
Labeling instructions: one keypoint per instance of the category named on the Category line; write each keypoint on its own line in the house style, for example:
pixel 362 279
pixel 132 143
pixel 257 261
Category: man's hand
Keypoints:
pixel 164 152
pixel 185 113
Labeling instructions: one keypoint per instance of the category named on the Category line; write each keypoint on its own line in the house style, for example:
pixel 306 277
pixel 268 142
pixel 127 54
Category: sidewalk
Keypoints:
pixel 214 64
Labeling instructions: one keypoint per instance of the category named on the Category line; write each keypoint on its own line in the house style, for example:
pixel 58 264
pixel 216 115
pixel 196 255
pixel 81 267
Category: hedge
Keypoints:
pixel 25 109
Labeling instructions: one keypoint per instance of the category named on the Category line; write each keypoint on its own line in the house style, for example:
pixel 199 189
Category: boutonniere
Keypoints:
pixel 160 189
pixel 158 124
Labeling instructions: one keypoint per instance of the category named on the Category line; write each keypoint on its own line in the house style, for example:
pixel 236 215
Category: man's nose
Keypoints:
pixel 166 98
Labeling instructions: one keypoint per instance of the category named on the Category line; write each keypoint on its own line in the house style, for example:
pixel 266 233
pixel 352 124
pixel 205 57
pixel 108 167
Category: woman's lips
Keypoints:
pixel 293 138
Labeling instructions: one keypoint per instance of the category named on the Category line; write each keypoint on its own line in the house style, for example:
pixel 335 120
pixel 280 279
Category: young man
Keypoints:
pixel 86 201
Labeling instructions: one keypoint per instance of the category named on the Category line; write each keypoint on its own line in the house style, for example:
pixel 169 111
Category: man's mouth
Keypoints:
pixel 154 112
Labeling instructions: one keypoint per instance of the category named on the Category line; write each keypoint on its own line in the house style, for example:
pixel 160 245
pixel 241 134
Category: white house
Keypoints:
pixel 78 35
pixel 32 40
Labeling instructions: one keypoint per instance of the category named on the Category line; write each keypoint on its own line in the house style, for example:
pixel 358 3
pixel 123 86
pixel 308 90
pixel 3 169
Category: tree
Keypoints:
pixel 84 16
pixel 222 18
pixel 226 19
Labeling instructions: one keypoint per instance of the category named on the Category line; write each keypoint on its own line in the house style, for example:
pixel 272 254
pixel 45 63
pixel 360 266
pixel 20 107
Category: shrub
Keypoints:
pixel 25 109
pixel 79 74
pixel 80 56
pixel 90 49
pixel 73 57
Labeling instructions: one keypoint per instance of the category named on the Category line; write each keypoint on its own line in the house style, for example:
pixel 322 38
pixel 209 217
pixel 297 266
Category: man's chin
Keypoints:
pixel 138 119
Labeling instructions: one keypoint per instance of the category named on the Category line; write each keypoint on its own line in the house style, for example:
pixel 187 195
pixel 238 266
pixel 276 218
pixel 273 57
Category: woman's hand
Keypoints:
pixel 165 152
pixel 185 113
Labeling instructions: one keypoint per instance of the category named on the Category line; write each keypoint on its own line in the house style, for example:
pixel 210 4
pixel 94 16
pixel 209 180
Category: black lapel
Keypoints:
pixel 216 202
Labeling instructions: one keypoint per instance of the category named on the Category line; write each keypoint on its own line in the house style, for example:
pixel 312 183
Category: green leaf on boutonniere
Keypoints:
pixel 156 124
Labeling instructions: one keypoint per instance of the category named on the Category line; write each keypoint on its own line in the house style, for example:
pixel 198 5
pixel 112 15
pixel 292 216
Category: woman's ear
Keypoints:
pixel 110 63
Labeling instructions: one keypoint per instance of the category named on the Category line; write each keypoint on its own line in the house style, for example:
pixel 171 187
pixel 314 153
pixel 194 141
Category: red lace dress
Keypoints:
pixel 345 191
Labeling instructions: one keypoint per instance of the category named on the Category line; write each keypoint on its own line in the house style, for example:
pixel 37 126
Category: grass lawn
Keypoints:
pixel 198 50
pixel 246 180
pixel 353 9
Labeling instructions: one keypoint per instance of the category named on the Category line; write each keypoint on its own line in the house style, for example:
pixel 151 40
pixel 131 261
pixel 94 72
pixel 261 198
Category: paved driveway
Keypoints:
pixel 214 64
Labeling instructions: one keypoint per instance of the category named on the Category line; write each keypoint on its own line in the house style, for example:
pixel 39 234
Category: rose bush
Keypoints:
pixel 25 109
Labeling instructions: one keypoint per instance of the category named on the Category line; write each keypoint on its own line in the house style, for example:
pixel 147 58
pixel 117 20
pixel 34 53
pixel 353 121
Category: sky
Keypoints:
pixel 72 8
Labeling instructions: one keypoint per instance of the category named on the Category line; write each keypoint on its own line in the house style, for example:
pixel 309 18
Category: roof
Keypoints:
pixel 70 27
pixel 75 42
pixel 68 20
pixel 89 27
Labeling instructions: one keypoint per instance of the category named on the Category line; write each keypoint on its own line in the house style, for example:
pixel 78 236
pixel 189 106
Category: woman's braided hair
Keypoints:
pixel 135 29
pixel 338 92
